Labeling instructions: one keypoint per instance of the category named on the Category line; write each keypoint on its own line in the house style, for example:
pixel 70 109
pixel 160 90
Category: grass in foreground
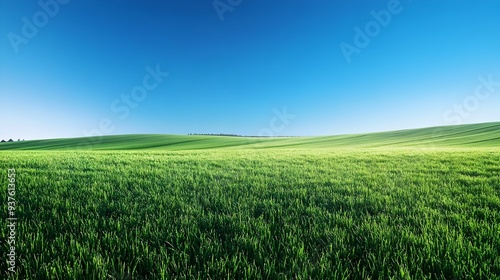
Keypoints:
pixel 270 214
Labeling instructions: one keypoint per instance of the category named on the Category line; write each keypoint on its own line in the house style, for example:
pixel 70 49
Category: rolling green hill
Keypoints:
pixel 470 135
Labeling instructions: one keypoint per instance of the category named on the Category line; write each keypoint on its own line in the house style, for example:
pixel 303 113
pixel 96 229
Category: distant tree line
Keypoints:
pixel 10 140
pixel 216 134
pixel 233 135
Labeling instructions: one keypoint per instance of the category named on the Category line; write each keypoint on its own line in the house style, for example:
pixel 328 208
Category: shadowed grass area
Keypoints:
pixel 471 135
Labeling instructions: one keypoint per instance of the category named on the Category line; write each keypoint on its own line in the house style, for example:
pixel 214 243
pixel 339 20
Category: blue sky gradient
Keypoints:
pixel 237 73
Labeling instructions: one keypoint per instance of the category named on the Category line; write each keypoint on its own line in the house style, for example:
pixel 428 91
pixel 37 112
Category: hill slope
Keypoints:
pixel 470 135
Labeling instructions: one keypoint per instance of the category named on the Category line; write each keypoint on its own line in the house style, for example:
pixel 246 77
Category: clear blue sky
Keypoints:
pixel 231 68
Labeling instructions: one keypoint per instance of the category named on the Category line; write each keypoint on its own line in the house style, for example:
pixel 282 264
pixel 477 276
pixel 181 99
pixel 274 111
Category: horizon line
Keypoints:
pixel 254 136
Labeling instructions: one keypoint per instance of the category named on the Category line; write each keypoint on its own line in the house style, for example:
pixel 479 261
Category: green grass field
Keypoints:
pixel 411 204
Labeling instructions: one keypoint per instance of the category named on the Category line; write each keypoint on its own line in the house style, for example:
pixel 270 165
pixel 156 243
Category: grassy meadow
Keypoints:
pixel 413 204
